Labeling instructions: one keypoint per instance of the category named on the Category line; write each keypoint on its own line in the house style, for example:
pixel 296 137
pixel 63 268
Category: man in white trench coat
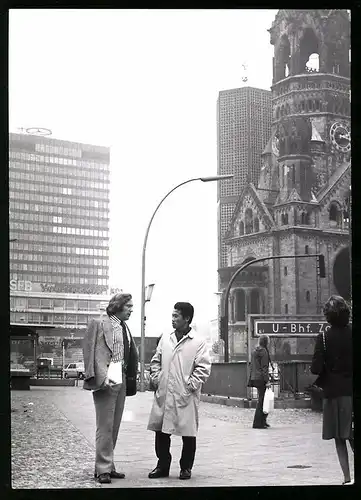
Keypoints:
pixel 179 367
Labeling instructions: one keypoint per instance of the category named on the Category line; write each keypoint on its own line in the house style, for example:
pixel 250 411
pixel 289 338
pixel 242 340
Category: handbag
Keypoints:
pixel 271 372
pixel 317 386
pixel 268 401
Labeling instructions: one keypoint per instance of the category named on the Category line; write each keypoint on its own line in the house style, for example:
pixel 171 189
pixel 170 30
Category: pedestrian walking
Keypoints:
pixel 259 378
pixel 332 362
pixel 110 361
pixel 178 369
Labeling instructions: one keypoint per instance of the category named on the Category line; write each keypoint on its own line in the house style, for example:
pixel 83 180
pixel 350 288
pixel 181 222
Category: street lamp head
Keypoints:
pixel 149 292
pixel 216 178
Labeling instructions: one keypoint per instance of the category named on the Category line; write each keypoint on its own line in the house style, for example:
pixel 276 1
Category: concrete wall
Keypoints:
pixel 227 379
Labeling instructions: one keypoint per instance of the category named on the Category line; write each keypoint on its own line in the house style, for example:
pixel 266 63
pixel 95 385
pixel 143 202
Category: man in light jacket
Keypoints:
pixel 178 369
pixel 108 340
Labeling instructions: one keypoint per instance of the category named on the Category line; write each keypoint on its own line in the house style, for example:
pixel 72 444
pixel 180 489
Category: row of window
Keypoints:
pixel 27 176
pixel 55 219
pixel 27 226
pixel 57 160
pixel 79 212
pixel 63 249
pixel 57 200
pixel 81 193
pixel 59 259
pixel 61 319
pixel 80 231
pixel 57 278
pixel 60 171
pixel 48 268
pixel 66 304
pixel 45 148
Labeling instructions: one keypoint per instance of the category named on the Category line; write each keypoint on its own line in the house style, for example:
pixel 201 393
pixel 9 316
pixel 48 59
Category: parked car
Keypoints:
pixel 74 370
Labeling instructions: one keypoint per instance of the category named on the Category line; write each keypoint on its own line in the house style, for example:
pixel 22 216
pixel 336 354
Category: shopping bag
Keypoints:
pixel 269 401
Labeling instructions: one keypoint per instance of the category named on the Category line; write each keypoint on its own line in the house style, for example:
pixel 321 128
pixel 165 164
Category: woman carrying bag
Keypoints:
pixel 332 362
pixel 259 378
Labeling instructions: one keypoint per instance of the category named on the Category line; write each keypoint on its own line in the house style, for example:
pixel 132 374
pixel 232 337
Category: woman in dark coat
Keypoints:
pixel 332 361
pixel 259 378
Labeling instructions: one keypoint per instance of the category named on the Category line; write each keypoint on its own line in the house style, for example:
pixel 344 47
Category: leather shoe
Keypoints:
pixel 117 475
pixel 104 478
pixel 185 474
pixel 157 472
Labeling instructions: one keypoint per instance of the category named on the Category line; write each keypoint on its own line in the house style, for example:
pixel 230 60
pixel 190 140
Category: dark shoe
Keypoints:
pixel 117 475
pixel 104 478
pixel 267 425
pixel 157 472
pixel 185 474
pixel 260 426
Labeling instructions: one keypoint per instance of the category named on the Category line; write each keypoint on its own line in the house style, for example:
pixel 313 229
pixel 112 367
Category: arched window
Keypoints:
pixel 335 214
pixel 309 49
pixel 305 218
pixel 313 63
pixel 308 296
pixel 286 308
pixel 240 305
pixel 248 259
pixel 346 210
pixel 241 228
pixel 306 249
pixel 284 219
pixel 285 271
pixel 256 225
pixel 248 217
pixel 255 302
pixel 282 59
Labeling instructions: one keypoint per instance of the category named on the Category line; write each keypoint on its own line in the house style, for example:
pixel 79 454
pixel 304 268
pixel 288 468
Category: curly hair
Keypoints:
pixel 336 311
pixel 117 303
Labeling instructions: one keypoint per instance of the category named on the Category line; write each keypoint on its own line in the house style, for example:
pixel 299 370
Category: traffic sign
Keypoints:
pixel 289 327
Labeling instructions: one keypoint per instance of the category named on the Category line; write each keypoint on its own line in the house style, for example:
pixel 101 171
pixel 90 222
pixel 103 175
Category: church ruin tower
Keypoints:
pixel 301 203
pixel 310 96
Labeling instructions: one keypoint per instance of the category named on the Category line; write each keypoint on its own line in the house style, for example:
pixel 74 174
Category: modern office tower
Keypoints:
pixel 244 117
pixel 59 230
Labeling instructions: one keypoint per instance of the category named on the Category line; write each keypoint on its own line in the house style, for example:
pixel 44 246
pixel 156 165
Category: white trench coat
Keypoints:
pixel 178 370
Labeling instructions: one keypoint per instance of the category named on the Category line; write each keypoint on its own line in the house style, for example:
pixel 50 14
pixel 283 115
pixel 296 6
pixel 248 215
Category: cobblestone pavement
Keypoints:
pixel 229 451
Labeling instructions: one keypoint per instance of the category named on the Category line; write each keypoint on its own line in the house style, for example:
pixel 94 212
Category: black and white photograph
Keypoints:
pixel 180 241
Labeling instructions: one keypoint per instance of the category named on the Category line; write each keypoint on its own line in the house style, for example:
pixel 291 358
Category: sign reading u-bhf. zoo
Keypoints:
pixel 289 327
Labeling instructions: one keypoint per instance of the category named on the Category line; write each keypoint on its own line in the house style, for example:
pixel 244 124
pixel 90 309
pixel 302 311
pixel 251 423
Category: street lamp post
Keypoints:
pixel 142 300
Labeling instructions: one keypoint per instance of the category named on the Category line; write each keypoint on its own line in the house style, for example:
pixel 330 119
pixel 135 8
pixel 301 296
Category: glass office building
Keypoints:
pixel 59 230
pixel 244 117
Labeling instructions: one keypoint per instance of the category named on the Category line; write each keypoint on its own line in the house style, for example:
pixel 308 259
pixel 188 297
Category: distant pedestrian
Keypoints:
pixel 108 345
pixel 259 378
pixel 178 369
pixel 332 361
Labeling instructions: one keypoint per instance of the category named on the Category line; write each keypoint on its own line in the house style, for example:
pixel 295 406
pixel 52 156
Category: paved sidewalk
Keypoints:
pixel 229 451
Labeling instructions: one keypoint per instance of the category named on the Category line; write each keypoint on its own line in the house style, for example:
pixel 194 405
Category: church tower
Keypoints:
pixel 300 204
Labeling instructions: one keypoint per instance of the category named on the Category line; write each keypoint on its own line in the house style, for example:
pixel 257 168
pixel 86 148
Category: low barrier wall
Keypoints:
pixel 230 379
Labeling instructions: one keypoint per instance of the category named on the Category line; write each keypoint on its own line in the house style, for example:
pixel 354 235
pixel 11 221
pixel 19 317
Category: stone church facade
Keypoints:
pixel 301 204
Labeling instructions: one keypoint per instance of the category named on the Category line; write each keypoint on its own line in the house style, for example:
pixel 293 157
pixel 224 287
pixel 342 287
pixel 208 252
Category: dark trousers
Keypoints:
pixel 162 446
pixel 259 417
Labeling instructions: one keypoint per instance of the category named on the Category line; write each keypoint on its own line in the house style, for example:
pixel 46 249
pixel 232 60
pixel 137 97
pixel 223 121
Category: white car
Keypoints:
pixel 74 370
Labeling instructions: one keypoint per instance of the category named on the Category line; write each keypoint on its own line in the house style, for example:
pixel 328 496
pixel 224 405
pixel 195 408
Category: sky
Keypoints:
pixel 144 83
